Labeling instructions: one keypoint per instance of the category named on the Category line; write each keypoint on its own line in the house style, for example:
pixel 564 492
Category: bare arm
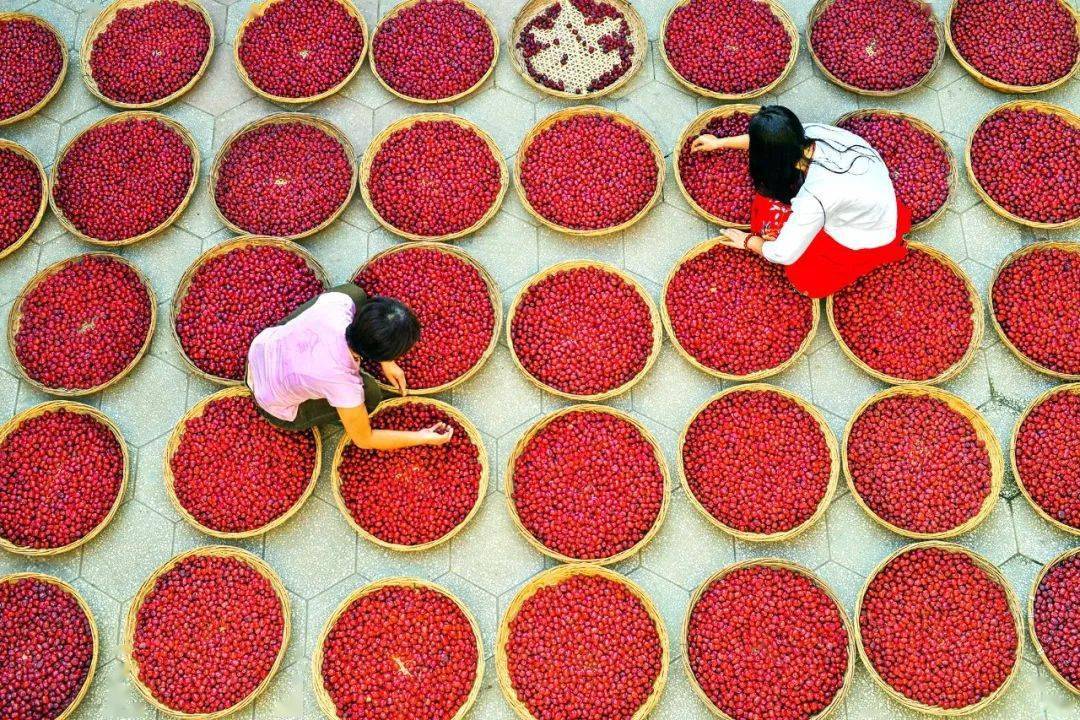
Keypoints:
pixel 358 426
pixel 708 143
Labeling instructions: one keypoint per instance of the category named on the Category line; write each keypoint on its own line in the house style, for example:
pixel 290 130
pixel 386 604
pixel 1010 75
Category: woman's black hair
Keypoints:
pixel 383 329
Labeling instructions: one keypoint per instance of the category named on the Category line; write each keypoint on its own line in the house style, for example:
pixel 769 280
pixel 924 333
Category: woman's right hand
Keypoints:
pixel 437 434
pixel 707 143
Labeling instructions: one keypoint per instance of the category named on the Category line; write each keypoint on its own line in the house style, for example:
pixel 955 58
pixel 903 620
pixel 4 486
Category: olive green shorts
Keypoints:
pixel 313 413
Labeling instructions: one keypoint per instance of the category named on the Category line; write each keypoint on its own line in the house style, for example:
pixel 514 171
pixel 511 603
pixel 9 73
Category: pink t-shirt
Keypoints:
pixel 307 358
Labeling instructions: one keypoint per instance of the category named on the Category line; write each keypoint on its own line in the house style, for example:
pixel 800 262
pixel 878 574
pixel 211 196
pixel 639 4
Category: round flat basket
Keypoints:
pixel 1014 609
pixel 493 294
pixel 23 152
pixel 977 319
pixel 1068 554
pixel 123 117
pixel 101 24
pixel 982 430
pixel 773 564
pixel 1073 388
pixel 326 704
pixel 373 149
pixel 554 576
pixel 555 117
pixel 7 16
pixel 1068 116
pixel 127 643
pixel 173 445
pixel 16 313
pixel 240 243
pixel 474 436
pixel 654 315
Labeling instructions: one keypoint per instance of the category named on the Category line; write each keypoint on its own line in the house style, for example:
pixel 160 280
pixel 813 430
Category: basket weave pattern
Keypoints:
pixel 18 149
pixel 29 112
pixel 1073 388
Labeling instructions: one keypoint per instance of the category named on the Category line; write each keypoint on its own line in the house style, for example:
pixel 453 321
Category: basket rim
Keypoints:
pixel 830 442
pixel 127 641
pixel 482 482
pixel 43 203
pixel 102 22
pixel 781 564
pixel 326 704
pixel 554 576
pixel 15 321
pixel 58 83
pixel 567 265
pixel 994 575
pixel 589 110
pixel 1039 649
pixel 406 123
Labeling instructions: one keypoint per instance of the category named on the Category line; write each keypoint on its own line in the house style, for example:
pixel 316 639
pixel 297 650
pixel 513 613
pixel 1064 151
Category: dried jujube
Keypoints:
pixel 20 196
pixel 1056 618
pixel 31 59
pixel 1047 452
pixel 719 181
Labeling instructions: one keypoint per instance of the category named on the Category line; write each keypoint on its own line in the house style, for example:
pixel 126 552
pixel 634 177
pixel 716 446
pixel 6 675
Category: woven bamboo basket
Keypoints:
pixel 373 149
pixel 781 14
pixel 6 16
pixel 257 10
pixel 1073 388
pixel 326 704
pixel 493 294
pixel 122 117
pixel 283 118
pixel 982 430
pixel 170 480
pixel 774 564
pixel 470 430
pixel 692 253
pixel 654 315
pixel 14 577
pixel 1005 87
pixel 1016 255
pixel 44 203
pixel 533 8
pixel 555 117
pixel 1014 610
pixel 939 32
pixel 102 22
pixel 244 241
pixel 977 319
pixel 406 4
pixel 554 576
pixel 834 466
pixel 1046 108
pixel 1031 618
pixel 535 430
pixel 15 321
pixel 127 643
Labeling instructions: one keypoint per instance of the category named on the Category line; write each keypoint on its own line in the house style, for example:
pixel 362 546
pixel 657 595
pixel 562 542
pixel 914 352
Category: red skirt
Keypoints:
pixel 827 266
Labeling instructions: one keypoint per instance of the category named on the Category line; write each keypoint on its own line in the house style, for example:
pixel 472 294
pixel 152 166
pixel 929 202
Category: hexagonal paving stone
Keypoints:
pixel 672 601
pixel 688 548
pixel 1036 538
pixel 643 255
pixel 145 404
pixel 673 390
pixel 838 385
pixel 504 116
pixel 499 397
pixel 123 556
pixel 314 550
pixel 490 553
pixel 856 541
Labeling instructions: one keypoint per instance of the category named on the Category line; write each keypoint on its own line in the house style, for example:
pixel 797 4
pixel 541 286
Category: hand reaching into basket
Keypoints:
pixel 437 434
pixel 395 376
pixel 741 240
pixel 709 143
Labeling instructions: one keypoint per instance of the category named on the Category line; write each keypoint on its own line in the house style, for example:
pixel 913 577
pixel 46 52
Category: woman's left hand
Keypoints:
pixel 734 238
pixel 395 376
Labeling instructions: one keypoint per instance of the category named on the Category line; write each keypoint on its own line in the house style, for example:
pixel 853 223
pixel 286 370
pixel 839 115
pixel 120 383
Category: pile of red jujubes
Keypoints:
pixel 20 196
pixel 452 303
pixel 1029 43
pixel 30 63
pixel 918 165
pixel 589 172
pixel 46 649
pixel 878 45
pixel 400 652
pixel 149 52
pixel 235 296
pixel 433 50
pixel 1048 456
pixel 234 471
pixel 416 495
pixel 83 325
pixel 283 179
pixel 767 643
pixel 588 485
pixel 301 48
pixel 757 461
pixel 1028 161
pixel 938 629
pixel 736 313
pixel 582 331
pixel 1035 302
pixel 727 46
pixel 911 319
pixel 918 464
pixel 1057 617
pixel 719 181
pixel 434 178
pixel 207 634
pixel 583 648
pixel 124 178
